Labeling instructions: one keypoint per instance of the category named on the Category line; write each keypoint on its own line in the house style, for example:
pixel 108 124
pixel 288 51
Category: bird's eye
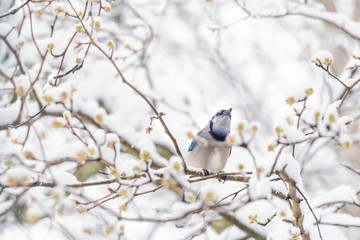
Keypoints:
pixel 219 113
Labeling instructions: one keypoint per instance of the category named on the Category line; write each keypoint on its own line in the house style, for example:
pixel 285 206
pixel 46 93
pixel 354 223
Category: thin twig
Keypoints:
pixel 30 119
pixel 350 168
pixel 311 210
pixel 326 69
pixel 76 135
pixel 340 224
pixel 276 160
pixel 32 33
pixel 14 10
pixel 234 194
pixel 347 91
pixel 13 51
pixel 244 227
pixel 72 70
pixel 298 121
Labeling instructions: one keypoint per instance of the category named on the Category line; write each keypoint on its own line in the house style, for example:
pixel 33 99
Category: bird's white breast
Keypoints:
pixel 215 161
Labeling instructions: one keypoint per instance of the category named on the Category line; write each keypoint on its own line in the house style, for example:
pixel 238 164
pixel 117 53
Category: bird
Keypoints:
pixel 209 151
pixel 211 155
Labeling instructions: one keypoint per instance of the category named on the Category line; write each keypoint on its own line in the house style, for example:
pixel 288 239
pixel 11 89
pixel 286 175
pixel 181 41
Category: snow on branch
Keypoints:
pixel 339 20
pixel 99 100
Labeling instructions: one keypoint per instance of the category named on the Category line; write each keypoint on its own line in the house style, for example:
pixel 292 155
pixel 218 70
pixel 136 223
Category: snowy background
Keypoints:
pixel 84 156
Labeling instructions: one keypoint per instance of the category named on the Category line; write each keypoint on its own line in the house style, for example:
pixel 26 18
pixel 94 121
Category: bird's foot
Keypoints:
pixel 222 178
pixel 206 172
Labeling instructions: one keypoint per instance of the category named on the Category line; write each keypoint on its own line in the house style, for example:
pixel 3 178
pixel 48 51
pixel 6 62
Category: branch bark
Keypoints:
pixel 295 204
pixel 245 228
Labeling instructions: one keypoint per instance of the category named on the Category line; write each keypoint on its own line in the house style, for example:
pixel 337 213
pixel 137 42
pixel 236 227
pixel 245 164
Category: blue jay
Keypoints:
pixel 211 156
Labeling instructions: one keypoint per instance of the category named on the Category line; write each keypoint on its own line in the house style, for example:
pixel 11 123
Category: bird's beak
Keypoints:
pixel 228 112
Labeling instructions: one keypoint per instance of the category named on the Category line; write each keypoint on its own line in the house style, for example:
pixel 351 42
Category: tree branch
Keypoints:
pixel 14 10
pixel 12 50
pixel 245 228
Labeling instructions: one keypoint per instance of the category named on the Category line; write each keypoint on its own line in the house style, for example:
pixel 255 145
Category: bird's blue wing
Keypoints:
pixel 230 151
pixel 192 145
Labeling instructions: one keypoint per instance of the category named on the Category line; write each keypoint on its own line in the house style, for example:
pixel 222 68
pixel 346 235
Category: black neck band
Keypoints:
pixel 216 136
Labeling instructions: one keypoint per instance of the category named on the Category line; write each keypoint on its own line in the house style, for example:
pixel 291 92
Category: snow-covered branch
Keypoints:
pixel 99 101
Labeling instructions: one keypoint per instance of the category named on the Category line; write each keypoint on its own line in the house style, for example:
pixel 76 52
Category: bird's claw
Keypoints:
pixel 206 172
pixel 223 178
